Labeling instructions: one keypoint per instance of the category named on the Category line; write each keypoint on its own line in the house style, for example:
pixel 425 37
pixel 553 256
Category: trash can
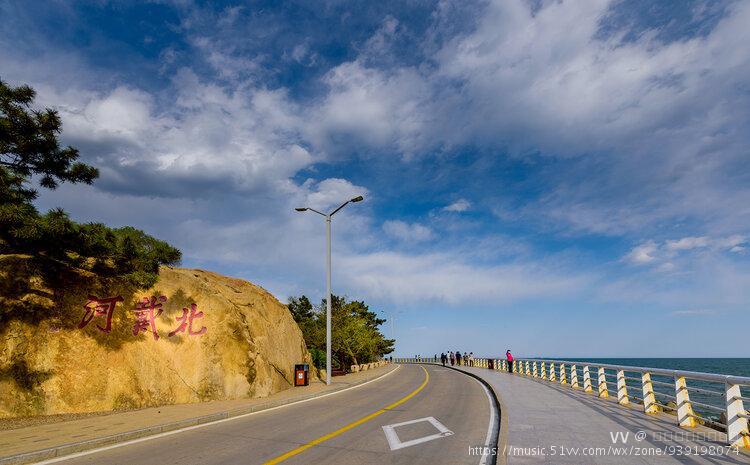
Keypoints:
pixel 300 374
pixel 491 364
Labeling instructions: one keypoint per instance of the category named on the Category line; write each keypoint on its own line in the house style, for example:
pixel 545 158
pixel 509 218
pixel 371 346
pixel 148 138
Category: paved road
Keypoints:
pixel 343 428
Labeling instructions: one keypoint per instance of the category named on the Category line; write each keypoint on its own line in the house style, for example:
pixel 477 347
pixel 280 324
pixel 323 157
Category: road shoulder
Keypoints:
pixel 47 441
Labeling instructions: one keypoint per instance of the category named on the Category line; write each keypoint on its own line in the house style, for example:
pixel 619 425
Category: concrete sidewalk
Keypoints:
pixel 539 418
pixel 45 441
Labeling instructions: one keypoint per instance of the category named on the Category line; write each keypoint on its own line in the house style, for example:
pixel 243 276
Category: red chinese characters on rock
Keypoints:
pixel 186 322
pixel 146 312
pixel 99 307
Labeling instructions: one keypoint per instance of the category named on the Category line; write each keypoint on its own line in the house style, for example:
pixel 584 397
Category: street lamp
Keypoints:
pixel 328 216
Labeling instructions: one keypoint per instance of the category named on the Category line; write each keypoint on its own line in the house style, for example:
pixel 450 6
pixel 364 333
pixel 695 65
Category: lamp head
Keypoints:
pixel 301 209
pixel 358 198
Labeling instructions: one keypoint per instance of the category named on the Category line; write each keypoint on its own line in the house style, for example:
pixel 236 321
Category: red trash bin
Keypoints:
pixel 301 374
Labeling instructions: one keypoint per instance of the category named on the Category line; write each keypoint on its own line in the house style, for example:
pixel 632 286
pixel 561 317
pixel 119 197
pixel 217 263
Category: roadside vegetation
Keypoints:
pixel 356 337
pixel 31 154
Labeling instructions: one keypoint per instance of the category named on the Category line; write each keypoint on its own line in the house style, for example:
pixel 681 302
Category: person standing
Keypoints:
pixel 509 357
pixel 453 358
pixel 471 359
pixel 442 358
pixel 458 357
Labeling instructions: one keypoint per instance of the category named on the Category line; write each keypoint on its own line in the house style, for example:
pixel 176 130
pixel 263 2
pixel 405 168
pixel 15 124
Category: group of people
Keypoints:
pixel 455 358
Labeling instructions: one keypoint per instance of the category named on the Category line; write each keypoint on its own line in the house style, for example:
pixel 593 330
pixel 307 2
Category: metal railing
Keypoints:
pixel 594 378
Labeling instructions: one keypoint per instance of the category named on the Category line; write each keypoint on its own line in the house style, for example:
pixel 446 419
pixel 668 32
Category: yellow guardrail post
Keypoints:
pixel 552 376
pixel 563 377
pixel 573 377
pixel 534 370
pixel 737 424
pixel 622 389
pixel 587 379
pixel 603 391
pixel 684 408
pixel 528 372
pixel 544 371
pixel 649 398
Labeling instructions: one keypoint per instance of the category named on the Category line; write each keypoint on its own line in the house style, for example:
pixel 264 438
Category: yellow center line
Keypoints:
pixel 333 434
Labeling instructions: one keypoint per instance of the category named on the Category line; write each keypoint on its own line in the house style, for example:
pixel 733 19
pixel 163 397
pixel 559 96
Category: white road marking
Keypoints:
pixel 202 425
pixel 395 443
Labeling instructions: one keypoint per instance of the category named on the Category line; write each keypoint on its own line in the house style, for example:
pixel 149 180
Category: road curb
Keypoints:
pixel 502 432
pixel 73 448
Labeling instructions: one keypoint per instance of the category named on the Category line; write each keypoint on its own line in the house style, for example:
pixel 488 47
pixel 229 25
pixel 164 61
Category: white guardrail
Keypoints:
pixel 733 418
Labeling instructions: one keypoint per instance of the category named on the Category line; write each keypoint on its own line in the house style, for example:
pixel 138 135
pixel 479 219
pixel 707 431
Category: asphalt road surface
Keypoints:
pixel 371 424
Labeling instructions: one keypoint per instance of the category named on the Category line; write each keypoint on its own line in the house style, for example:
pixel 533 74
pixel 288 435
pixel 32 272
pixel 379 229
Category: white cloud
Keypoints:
pixel 382 110
pixel 407 232
pixel 688 243
pixel 695 312
pixel 546 80
pixel 330 193
pixel 732 242
pixel 436 277
pixel 209 137
pixel 643 253
pixel 666 267
pixel 673 249
pixel 460 205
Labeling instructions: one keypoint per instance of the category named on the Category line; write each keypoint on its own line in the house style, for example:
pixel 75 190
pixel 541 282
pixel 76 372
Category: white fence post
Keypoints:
pixel 552 376
pixel 737 429
pixel 622 389
pixel 603 391
pixel 649 398
pixel 563 375
pixel 684 407
pixel 574 377
pixel 587 379
pixel 534 371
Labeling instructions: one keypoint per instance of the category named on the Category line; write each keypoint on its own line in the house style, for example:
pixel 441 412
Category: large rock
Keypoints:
pixel 50 364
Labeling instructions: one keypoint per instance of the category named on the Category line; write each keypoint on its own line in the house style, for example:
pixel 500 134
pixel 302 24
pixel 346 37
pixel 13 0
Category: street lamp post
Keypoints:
pixel 328 217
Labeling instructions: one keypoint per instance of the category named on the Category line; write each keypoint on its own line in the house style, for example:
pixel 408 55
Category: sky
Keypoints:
pixel 562 178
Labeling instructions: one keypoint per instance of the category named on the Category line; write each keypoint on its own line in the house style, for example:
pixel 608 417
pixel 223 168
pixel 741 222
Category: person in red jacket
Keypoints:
pixel 509 357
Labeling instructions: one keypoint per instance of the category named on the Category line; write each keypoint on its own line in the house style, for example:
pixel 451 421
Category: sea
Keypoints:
pixel 664 393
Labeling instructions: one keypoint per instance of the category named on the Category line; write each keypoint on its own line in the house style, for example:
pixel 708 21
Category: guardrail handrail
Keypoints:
pixel 702 376
pixel 595 382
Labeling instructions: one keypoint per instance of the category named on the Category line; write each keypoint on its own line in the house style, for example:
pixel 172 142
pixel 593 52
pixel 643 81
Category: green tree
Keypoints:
pixel 356 337
pixel 307 319
pixel 29 148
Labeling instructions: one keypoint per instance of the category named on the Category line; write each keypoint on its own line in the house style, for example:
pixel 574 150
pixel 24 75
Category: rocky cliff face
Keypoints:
pixel 96 346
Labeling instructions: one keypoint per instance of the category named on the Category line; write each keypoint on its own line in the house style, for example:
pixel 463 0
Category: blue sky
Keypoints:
pixel 562 178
